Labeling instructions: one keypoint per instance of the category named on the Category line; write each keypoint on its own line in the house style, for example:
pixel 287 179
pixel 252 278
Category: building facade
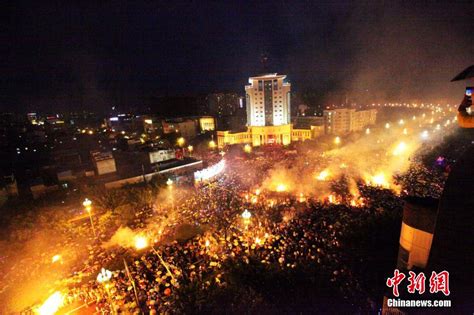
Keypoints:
pixel 345 120
pixel 268 115
pixel 268 100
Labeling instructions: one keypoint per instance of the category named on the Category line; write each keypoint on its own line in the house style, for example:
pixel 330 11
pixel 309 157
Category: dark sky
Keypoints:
pixel 85 55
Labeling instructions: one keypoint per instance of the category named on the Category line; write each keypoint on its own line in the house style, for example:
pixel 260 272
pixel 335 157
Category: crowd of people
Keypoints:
pixel 283 234
pixel 201 238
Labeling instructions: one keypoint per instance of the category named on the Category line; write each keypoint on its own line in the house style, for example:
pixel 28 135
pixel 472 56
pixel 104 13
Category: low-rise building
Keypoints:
pixel 342 121
pixel 104 162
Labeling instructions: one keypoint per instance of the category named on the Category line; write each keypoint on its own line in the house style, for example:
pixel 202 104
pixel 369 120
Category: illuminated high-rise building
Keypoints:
pixel 268 100
pixel 268 115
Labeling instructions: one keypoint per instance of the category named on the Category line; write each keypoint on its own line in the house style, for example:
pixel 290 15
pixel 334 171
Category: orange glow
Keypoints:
pixel 281 187
pixel 399 149
pixel 52 304
pixel 55 258
pixel 140 242
pixel 323 175
pixel 332 198
pixel 378 180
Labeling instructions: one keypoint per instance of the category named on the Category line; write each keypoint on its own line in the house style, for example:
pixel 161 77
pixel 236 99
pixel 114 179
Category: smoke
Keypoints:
pixel 123 237
pixel 372 156
pixel 409 52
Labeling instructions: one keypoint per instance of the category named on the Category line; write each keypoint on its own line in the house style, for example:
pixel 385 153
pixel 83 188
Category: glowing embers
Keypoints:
pixel 54 302
pixel 378 180
pixel 323 176
pixel 141 242
pixel 281 187
pixel 210 172
pixel 400 149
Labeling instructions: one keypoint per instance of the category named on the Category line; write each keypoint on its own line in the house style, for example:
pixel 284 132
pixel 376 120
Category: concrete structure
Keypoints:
pixel 345 120
pixel 104 162
pixel 268 100
pixel 172 167
pixel 416 236
pixel 438 236
pixel 162 155
pixel 207 123
pixel 268 115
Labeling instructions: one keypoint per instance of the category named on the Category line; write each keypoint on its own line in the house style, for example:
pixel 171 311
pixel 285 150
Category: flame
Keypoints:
pixel 52 304
pixel 281 187
pixel 379 180
pixel 302 198
pixel 400 148
pixel 323 175
pixel 140 242
pixel 55 258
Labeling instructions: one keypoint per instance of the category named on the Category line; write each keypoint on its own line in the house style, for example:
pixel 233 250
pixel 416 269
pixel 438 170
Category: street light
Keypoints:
pixel 87 203
pixel 248 148
pixel 212 144
pixel 169 183
pixel 190 149
pixel 246 215
pixel 181 141
pixel 104 277
pixel 337 140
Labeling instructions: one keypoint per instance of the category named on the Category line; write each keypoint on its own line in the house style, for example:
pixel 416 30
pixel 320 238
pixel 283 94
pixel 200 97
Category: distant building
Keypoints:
pixel 225 107
pixel 268 114
pixel 189 127
pixel 268 100
pixel 207 123
pixel 307 121
pixel 224 104
pixel 342 121
pixel 161 155
pixel 104 162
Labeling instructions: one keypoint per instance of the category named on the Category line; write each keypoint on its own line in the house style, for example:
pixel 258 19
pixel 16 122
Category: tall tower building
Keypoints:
pixel 268 115
pixel 268 100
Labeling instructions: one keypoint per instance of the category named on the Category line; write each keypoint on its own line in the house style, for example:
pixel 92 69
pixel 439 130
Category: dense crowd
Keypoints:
pixel 200 240
pixel 283 234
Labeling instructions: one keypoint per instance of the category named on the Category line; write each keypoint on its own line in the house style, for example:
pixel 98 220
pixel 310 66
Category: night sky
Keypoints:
pixel 85 55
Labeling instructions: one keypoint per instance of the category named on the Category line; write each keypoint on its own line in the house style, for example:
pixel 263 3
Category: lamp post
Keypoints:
pixel 104 277
pixel 246 215
pixel 88 207
pixel 169 183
